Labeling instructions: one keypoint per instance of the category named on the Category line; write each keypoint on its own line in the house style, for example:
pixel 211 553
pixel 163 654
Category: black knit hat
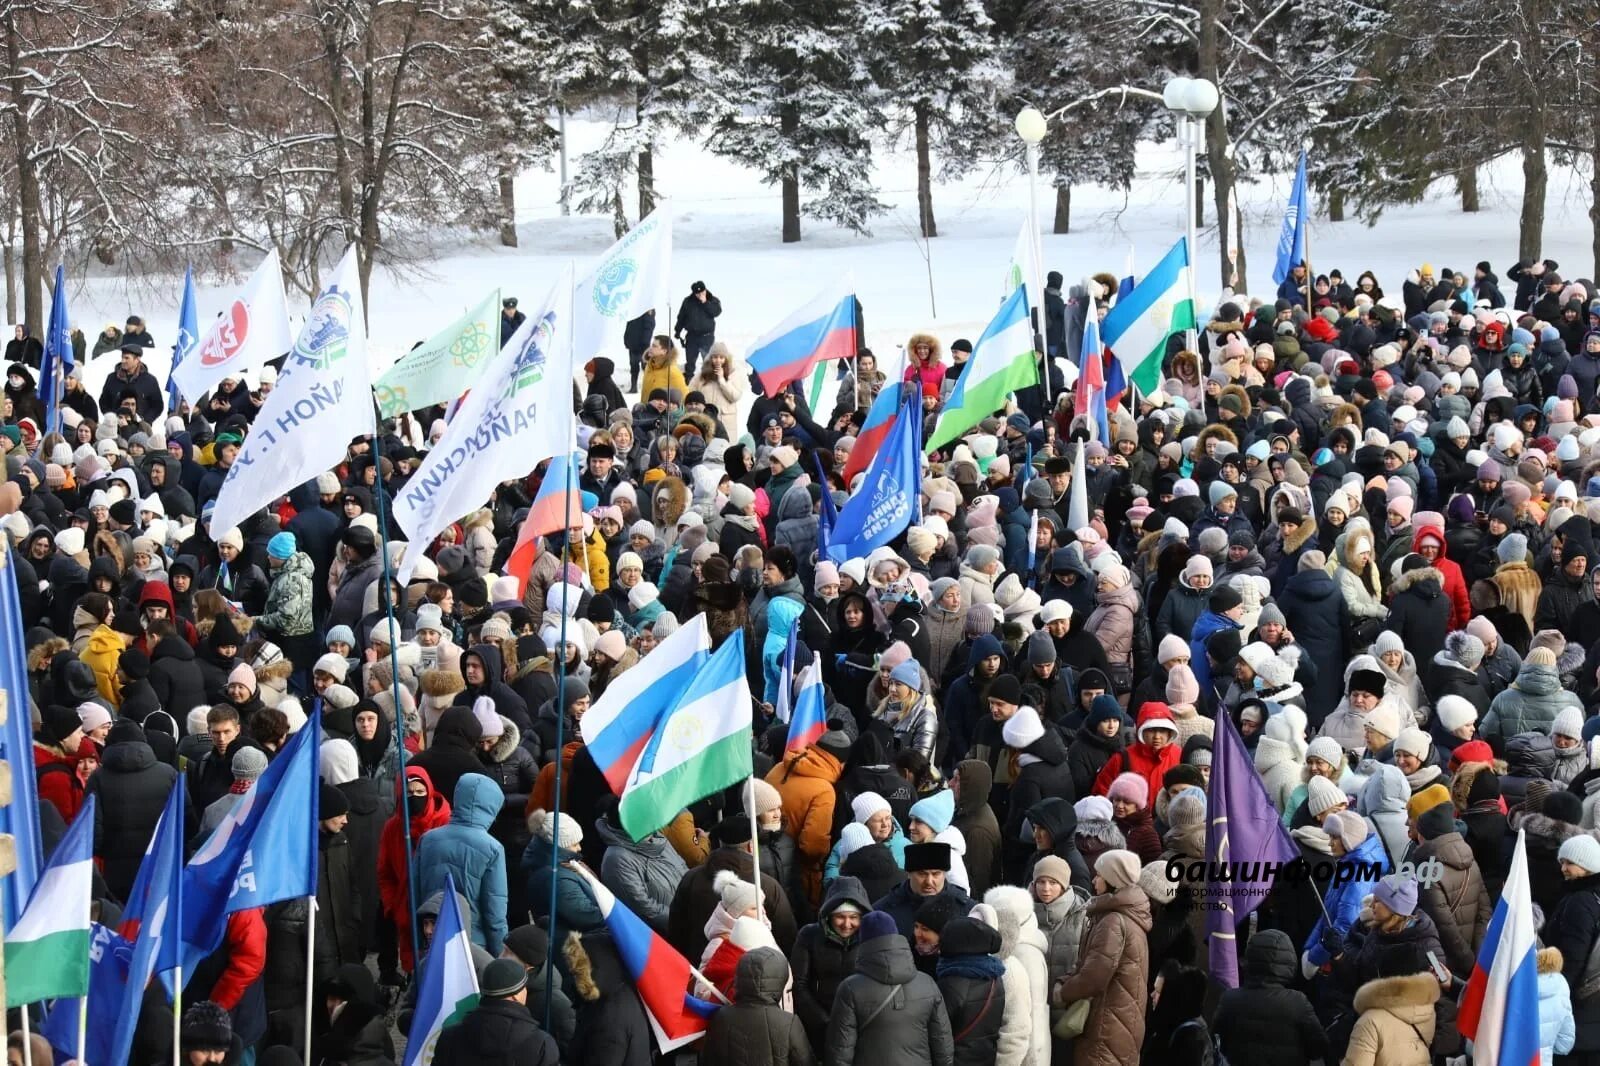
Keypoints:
pixel 134 663
pixel 731 832
pixel 57 723
pixel 967 936
pixel 1436 821
pixel 503 978
pixel 530 944
pixel 937 911
pixel 331 802
pixel 1007 689
pixel 206 1027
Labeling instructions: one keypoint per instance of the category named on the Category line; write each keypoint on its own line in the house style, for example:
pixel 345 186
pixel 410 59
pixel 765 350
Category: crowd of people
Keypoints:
pixel 1356 525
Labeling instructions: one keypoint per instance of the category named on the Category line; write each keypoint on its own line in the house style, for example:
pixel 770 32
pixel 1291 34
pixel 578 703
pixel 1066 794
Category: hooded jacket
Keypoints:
pixel 1023 945
pixel 1530 705
pixel 612 1027
pixel 130 791
pixel 1396 1023
pixel 1264 1021
pixel 756 1030
pixel 1139 758
pixel 643 874
pixel 393 875
pixel 453 752
pixel 911 1029
pixel 822 959
pixel 1455 584
pixel 463 848
pixel 1458 902
pixel 805 781
pixel 978 825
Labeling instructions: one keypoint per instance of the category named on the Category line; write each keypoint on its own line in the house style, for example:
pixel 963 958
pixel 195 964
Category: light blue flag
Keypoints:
pixel 264 851
pixel 188 337
pixel 57 354
pixel 887 500
pixel 20 817
pixel 1292 237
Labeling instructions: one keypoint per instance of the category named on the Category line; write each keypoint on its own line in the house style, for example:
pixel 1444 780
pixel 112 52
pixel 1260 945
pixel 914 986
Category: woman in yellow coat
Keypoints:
pixel 661 369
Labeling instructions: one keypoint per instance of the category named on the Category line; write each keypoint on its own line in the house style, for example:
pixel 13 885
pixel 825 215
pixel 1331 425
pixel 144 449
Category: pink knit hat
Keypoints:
pixel 1131 788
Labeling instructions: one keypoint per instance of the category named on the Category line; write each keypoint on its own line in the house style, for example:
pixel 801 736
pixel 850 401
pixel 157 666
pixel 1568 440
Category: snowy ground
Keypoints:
pixel 727 234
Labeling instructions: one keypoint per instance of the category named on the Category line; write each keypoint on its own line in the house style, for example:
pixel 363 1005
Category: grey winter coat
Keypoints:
pixel 888 1013
pixel 643 875
pixel 1062 923
pixel 1530 705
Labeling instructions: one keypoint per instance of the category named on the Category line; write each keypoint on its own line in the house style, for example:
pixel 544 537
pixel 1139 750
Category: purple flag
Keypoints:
pixel 1242 832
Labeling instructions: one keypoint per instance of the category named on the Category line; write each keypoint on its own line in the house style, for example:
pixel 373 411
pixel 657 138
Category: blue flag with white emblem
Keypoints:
pixel 890 490
pixel 264 850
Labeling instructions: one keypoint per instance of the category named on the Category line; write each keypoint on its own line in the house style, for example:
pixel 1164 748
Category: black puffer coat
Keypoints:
pixel 1264 1021
pixel 756 1030
pixel 972 982
pixel 130 790
pixel 454 751
pixel 179 685
pixel 1573 927
pixel 612 1028
pixel 496 1032
pixel 822 960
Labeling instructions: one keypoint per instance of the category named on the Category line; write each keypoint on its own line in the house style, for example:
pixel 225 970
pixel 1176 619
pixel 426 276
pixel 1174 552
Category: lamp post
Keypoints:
pixel 1190 100
pixel 1031 126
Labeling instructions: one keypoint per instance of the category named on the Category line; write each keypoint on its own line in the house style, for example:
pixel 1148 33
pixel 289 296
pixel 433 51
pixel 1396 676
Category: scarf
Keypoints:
pixel 981 967
pixel 1424 777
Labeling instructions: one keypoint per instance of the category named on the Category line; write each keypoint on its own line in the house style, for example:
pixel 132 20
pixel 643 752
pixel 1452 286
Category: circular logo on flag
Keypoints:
pixel 614 285
pixel 685 734
pixel 230 336
pixel 470 347
pixel 326 337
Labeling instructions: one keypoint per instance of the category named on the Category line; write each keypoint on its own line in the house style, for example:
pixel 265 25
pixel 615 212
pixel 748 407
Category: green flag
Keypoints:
pixel 444 366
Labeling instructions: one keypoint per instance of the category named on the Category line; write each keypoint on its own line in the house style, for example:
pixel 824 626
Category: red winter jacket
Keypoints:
pixel 1140 758
pixel 57 774
pixel 394 877
pixel 246 943
pixel 1455 585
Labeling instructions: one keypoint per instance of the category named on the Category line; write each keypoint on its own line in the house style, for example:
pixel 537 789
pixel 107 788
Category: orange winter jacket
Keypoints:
pixel 805 783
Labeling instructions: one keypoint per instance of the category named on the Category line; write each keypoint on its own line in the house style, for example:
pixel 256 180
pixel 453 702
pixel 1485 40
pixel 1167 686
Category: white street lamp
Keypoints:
pixel 1190 100
pixel 1031 126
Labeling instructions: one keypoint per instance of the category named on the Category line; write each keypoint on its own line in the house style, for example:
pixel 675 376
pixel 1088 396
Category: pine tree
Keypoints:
pixel 936 66
pixel 792 97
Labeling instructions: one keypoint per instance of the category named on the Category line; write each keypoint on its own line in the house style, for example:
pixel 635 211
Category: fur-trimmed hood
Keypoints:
pixel 1549 960
pixel 1395 994
pixel 39 655
pixel 1013 909
pixel 1214 432
pixel 1305 532
pixel 928 339
pixel 1461 783
pixel 1416 577
pixel 1243 397
pixel 595 966
pixel 508 741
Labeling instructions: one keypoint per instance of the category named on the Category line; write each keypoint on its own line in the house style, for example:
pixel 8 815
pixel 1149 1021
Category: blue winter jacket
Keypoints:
pixel 1344 901
pixel 1558 1029
pixel 576 909
pixel 464 849
pixel 1207 624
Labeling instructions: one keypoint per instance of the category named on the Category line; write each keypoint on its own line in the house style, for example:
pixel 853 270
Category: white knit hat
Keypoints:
pixel 563 830
pixel 1323 795
pixel 1022 728
pixel 737 894
pixel 1455 712
pixel 867 804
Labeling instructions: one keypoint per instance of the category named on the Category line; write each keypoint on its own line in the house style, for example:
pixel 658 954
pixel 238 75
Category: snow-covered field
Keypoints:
pixel 727 234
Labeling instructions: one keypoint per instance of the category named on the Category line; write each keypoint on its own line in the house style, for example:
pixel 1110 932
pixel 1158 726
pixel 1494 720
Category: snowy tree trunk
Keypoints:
pixel 1218 156
pixel 924 175
pixel 1063 209
pixel 1467 185
pixel 790 124
pixel 1594 198
pixel 1535 179
pixel 10 280
pixel 1199 202
pixel 1336 205
pixel 508 209
pixel 27 184
pixel 647 181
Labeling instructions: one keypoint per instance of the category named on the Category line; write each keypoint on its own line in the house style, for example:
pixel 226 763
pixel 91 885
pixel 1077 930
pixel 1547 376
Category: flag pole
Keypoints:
pixel 177 978
pixel 749 792
pixel 27 1037
pixel 83 1028
pixel 311 955
pixel 379 497
pixel 561 697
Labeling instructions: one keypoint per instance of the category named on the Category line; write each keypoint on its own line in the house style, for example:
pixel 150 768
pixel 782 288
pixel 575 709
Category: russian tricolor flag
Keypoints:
pixel 553 508
pixel 1500 1007
pixel 618 727
pixel 1090 395
pixel 880 417
pixel 660 975
pixel 825 328
pixel 810 718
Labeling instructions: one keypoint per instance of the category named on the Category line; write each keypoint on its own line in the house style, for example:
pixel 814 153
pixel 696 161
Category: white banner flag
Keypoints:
pixel 517 415
pixel 253 328
pixel 630 279
pixel 322 400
